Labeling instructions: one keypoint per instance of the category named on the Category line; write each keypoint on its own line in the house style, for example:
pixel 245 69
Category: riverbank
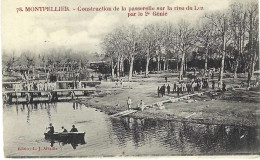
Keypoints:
pixel 234 107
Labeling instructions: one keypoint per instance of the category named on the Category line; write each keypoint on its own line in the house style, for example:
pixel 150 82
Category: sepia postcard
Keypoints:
pixel 130 78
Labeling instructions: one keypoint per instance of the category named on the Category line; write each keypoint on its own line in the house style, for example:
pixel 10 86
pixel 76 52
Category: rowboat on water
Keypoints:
pixel 66 136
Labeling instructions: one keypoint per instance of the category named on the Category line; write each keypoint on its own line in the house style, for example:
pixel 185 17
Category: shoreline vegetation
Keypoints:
pixel 233 107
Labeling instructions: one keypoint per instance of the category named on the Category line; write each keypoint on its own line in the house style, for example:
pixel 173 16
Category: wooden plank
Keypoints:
pixel 123 113
pixel 190 115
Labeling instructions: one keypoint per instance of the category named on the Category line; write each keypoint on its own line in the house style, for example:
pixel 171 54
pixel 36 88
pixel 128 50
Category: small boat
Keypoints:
pixel 66 136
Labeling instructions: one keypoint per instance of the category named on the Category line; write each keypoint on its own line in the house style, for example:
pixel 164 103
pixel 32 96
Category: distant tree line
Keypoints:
pixel 50 60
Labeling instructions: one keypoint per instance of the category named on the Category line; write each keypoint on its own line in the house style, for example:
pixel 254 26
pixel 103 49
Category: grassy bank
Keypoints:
pixel 239 107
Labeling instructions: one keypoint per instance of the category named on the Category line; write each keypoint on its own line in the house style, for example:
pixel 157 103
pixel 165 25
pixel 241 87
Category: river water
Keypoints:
pixel 24 127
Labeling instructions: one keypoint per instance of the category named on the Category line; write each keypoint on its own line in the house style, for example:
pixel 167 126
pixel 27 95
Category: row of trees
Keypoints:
pixel 232 33
pixel 51 60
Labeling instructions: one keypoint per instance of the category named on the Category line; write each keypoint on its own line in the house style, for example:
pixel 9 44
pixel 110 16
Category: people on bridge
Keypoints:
pixel 73 129
pixel 51 129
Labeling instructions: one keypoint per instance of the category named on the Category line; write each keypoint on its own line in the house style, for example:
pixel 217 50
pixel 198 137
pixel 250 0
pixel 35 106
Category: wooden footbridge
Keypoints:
pixel 157 104
pixel 11 95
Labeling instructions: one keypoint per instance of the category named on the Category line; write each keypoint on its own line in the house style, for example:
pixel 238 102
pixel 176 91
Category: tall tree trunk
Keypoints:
pixel 131 68
pixel 177 66
pixel 164 65
pixel 206 60
pixel 167 65
pixel 186 66
pixel 147 65
pixel 122 66
pixel 118 67
pixel 253 64
pixel 182 66
pixel 112 70
pixel 235 71
pixel 158 63
pixel 250 66
pixel 222 61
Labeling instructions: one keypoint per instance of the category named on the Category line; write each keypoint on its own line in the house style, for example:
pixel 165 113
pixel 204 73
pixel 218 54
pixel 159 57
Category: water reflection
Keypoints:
pixel 62 142
pixel 187 138
pixel 127 136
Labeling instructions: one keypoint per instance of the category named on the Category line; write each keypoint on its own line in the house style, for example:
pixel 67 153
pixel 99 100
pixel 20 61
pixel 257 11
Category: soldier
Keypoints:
pixel 174 87
pixel 213 84
pixel 161 90
pixel 224 87
pixel 178 89
pixel 164 89
pixel 168 89
pixel 158 91
pixel 129 102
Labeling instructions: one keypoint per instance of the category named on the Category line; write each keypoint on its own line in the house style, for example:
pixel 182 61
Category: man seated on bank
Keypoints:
pixel 51 129
pixel 73 129
pixel 63 129
pixel 141 106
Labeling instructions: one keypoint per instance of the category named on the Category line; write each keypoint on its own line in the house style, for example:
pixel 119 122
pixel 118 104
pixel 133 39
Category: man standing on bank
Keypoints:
pixel 168 89
pixel 129 102
pixel 158 91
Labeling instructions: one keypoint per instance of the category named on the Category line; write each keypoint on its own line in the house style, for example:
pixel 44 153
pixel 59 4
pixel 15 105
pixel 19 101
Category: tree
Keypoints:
pixel 131 43
pixel 149 43
pixel 206 38
pixel 113 46
pixel 185 40
pixel 253 42
pixel 238 16
pixel 9 60
pixel 220 23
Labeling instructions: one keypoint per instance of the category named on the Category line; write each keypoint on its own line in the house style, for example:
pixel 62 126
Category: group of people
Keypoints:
pixel 34 86
pixel 119 82
pixel 140 106
pixel 100 77
pixel 189 87
pixel 64 130
pixel 162 90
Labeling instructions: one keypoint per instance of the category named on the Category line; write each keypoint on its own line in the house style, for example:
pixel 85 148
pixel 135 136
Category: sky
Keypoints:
pixel 83 31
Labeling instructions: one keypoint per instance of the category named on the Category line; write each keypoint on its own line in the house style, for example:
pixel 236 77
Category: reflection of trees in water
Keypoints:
pixel 75 106
pixel 48 110
pixel 34 107
pixel 217 138
pixel 16 110
pixel 138 130
pixel 186 138
pixel 28 114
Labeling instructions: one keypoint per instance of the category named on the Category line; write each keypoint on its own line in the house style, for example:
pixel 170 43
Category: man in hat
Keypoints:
pixel 51 129
pixel 73 129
